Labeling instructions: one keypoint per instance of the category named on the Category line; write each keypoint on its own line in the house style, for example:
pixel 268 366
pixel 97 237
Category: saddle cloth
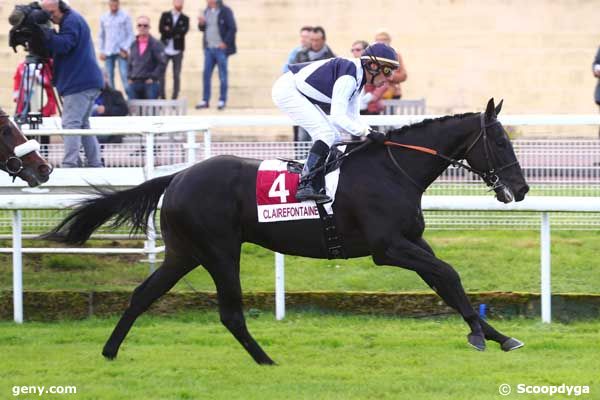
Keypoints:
pixel 276 187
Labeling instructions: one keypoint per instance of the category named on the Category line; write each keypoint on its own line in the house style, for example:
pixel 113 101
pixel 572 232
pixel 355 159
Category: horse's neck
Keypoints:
pixel 447 138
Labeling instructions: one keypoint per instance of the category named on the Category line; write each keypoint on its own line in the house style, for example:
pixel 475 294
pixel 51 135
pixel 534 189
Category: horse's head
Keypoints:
pixel 19 156
pixel 492 153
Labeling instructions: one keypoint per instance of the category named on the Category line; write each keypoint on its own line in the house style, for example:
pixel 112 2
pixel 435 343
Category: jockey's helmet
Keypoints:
pixel 380 58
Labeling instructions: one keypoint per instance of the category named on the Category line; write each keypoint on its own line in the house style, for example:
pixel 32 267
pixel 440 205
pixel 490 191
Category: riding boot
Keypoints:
pixel 312 184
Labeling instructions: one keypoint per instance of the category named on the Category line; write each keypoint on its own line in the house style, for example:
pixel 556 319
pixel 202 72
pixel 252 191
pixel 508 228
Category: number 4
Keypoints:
pixel 278 188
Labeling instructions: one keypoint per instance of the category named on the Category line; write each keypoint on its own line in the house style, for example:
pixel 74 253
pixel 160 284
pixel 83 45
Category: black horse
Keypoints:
pixel 210 209
pixel 20 157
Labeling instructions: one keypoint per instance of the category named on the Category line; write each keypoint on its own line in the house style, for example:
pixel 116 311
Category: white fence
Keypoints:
pixel 545 205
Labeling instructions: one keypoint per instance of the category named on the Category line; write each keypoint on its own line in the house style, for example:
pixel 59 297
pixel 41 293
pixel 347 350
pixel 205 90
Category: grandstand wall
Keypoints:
pixel 536 55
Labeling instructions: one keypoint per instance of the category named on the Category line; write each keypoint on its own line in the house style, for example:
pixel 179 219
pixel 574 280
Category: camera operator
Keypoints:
pixel 77 78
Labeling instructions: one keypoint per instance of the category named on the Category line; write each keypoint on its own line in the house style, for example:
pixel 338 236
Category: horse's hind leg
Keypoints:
pixel 226 275
pixel 157 284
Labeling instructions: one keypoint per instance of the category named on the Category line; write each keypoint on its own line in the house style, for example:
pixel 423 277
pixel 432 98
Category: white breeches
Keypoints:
pixel 304 113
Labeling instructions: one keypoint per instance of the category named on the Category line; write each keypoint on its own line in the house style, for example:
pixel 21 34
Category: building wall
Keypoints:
pixel 536 54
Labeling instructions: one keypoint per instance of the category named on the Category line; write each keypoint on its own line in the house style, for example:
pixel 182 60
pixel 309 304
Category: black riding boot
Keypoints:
pixel 312 185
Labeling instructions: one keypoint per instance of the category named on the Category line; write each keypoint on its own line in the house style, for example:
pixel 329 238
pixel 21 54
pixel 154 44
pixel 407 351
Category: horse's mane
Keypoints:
pixel 426 122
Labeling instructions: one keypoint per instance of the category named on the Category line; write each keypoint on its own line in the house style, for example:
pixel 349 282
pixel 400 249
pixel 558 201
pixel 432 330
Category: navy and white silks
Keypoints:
pixel 308 89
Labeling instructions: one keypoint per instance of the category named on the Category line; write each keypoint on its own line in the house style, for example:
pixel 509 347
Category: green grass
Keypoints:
pixel 486 260
pixel 191 356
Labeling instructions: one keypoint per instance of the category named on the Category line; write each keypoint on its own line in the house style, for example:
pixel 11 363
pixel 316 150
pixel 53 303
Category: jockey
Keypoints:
pixel 334 85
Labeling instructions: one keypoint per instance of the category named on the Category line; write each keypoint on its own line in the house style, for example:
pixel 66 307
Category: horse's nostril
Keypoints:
pixel 522 192
pixel 44 169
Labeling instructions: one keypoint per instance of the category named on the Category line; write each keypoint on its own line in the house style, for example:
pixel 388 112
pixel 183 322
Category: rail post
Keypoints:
pixel 546 290
pixel 17 257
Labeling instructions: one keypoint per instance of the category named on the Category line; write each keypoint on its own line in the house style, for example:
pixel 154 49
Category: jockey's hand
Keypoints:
pixel 377 137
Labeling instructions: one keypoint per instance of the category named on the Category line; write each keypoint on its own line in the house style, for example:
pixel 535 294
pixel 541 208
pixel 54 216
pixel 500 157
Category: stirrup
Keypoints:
pixel 307 193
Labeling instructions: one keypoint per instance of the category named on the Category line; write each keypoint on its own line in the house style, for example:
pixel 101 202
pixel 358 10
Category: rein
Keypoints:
pixel 490 177
pixel 340 158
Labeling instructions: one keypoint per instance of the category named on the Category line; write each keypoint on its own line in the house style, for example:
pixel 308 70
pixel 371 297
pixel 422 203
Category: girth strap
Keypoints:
pixel 333 239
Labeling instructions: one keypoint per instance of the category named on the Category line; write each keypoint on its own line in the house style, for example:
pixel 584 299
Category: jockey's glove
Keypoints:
pixel 377 137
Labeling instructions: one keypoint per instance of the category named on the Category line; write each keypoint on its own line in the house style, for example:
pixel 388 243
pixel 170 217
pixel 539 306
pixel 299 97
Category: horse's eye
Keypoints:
pixel 501 142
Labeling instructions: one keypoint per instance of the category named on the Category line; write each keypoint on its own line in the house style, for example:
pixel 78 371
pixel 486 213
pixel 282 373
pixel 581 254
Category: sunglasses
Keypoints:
pixel 143 25
pixel 387 71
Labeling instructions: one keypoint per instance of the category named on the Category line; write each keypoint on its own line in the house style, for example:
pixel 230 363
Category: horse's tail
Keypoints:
pixel 133 205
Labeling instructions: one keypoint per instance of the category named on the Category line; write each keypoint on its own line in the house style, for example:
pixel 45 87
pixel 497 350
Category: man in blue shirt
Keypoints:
pixel 77 78
pixel 310 90
pixel 305 32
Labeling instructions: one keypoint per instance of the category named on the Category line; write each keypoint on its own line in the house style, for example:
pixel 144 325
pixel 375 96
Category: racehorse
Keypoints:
pixel 210 209
pixel 20 157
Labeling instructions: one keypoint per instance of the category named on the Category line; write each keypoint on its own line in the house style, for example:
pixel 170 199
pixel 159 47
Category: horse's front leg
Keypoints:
pixel 442 278
pixel 506 343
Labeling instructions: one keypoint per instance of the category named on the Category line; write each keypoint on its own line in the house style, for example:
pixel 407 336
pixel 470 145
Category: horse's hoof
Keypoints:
pixel 266 361
pixel 477 341
pixel 109 355
pixel 511 344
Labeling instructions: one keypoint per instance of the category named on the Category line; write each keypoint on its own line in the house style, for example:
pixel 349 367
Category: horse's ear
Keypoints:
pixel 490 112
pixel 499 107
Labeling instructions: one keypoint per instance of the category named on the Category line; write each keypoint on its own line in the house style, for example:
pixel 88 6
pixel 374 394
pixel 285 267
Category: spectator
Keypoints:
pixel 146 64
pixel 77 78
pixel 218 25
pixel 110 103
pixel 596 71
pixel 394 91
pixel 358 47
pixel 305 32
pixel 173 27
pixel 116 36
pixel 318 48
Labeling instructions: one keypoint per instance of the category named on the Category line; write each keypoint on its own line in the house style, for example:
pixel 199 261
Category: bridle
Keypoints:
pixel 490 177
pixel 14 163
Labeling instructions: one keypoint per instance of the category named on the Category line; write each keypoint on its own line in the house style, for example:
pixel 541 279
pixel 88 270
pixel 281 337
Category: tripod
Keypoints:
pixel 30 103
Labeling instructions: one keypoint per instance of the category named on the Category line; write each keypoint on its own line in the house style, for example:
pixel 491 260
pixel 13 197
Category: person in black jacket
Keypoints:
pixel 173 27
pixel 110 103
pixel 318 49
pixel 218 24
pixel 146 63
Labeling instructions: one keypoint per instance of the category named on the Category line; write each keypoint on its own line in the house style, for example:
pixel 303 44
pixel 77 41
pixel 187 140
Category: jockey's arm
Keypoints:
pixel 344 112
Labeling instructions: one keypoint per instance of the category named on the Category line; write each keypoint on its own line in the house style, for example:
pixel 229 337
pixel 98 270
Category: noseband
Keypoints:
pixel 490 177
pixel 14 163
